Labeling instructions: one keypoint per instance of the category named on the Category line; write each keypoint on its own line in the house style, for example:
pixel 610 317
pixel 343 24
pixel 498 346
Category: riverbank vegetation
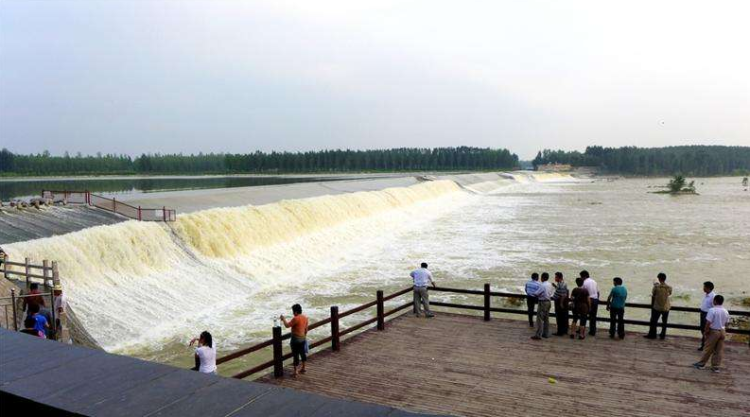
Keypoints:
pixel 698 161
pixel 326 161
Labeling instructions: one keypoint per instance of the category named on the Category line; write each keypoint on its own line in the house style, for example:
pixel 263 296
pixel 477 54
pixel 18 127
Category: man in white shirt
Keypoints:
pixel 706 304
pixel 715 332
pixel 60 304
pixel 590 285
pixel 544 295
pixel 422 278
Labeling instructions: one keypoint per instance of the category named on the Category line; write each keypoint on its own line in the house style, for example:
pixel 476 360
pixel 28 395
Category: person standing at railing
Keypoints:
pixel 33 299
pixel 60 305
pixel 544 296
pixel 715 333
pixel 531 288
pixel 41 325
pixel 706 305
pixel 616 308
pixel 422 278
pixel 593 289
pixel 581 308
pixel 299 324
pixel 660 307
pixel 561 304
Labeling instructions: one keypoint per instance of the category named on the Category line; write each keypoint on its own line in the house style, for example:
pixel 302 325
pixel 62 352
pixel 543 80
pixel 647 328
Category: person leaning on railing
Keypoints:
pixel 422 278
pixel 531 288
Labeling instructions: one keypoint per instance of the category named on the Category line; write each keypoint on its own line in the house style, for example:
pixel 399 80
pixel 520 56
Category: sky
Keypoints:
pixel 238 75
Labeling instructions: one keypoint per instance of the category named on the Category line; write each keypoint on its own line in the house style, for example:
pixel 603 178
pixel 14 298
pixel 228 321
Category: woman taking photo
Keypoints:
pixel 299 336
pixel 205 354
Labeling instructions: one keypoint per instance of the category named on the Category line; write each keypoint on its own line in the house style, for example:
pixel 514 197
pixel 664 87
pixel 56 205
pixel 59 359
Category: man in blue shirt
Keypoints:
pixel 532 287
pixel 40 324
pixel 616 308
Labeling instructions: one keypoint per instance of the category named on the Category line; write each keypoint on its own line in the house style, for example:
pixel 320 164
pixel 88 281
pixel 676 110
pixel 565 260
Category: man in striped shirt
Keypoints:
pixel 532 287
pixel 544 296
pixel 561 301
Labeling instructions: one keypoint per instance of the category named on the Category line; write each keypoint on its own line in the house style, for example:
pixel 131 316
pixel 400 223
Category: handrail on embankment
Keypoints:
pixel 111 204
pixel 336 333
pixel 49 277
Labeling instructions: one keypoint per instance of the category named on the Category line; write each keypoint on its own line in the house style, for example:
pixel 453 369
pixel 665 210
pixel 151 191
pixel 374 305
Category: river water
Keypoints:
pixel 611 228
pixel 23 188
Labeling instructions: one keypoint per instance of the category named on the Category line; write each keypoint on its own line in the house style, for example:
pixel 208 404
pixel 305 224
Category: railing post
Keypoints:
pixel 164 213
pixel 114 205
pixel 45 270
pixel 278 355
pixel 381 311
pixel 55 273
pixel 139 213
pixel 4 265
pixel 53 325
pixel 335 341
pixel 27 271
pixel 13 300
pixel 486 302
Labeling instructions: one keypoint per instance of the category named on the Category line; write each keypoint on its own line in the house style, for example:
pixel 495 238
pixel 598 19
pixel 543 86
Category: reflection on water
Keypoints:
pixel 11 189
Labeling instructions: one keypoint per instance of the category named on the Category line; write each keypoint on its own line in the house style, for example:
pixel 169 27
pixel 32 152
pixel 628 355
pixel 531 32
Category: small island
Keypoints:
pixel 678 186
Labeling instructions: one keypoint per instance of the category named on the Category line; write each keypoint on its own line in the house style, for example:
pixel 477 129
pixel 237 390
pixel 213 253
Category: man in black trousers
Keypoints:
pixel 561 304
pixel 531 288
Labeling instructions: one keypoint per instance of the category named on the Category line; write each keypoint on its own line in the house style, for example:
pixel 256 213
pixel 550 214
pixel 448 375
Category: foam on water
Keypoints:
pixel 136 283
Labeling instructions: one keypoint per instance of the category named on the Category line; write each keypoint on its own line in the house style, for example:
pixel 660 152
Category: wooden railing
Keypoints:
pixel 29 272
pixel 381 314
pixel 334 339
pixel 46 274
pixel 111 204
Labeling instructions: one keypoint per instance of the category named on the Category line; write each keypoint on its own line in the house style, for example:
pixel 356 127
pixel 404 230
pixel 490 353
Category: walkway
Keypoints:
pixel 44 377
pixel 461 365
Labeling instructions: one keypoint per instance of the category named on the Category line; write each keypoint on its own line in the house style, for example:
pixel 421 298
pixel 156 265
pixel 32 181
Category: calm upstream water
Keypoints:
pixel 611 228
pixel 25 188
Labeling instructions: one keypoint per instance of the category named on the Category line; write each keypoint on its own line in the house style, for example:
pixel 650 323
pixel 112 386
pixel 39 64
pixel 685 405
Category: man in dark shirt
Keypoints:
pixel 32 299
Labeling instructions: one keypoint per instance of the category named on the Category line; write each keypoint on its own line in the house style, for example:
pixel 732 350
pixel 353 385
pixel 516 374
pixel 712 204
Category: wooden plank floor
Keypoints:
pixel 461 365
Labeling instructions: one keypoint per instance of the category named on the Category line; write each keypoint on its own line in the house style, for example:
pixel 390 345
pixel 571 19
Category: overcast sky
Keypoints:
pixel 235 76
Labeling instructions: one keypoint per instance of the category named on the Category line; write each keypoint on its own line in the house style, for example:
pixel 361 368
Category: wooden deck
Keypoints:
pixel 461 365
pixel 47 378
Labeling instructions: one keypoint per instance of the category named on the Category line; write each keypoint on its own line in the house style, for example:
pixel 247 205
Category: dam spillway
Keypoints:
pixel 126 282
pixel 144 289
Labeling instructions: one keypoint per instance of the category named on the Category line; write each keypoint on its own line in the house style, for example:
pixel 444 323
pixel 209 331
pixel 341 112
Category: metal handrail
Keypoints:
pixel 168 215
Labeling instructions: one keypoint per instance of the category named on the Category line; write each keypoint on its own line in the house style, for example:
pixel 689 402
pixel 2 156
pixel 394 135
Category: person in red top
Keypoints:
pixel 33 299
pixel 299 336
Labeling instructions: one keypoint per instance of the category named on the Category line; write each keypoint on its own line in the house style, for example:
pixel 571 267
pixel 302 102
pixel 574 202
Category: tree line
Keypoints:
pixel 325 161
pixel 687 160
